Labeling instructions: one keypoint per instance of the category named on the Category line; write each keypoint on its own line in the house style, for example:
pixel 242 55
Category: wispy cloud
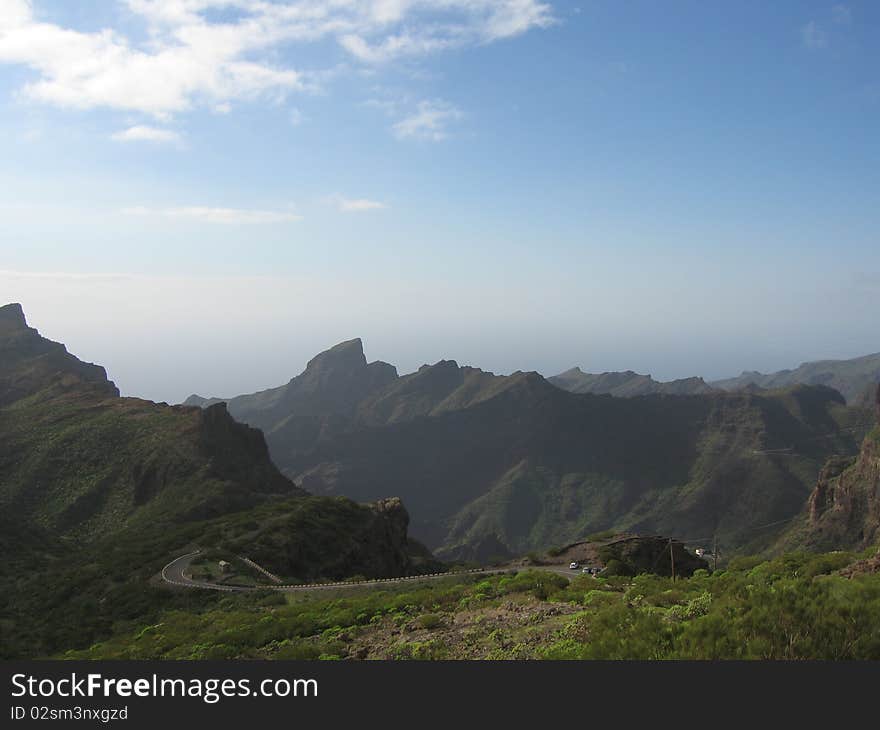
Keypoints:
pixel 145 133
pixel 216 216
pixel 430 121
pixel 841 15
pixel 357 205
pixel 813 36
pixel 191 58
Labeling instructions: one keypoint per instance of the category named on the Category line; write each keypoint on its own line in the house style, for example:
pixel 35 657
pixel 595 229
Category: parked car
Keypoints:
pixel 573 566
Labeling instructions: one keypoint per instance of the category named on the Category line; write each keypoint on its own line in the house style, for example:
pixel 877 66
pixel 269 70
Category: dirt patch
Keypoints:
pixel 511 628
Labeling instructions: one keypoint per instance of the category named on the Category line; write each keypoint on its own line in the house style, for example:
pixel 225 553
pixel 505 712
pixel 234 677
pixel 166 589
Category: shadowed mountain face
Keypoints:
pixel 516 463
pixel 315 405
pixel 626 384
pixel 853 378
pixel 98 492
pixel 80 461
pixel 31 362
pixel 843 511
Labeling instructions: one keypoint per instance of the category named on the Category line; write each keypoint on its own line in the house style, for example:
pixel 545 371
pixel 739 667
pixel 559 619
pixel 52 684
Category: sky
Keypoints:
pixel 202 194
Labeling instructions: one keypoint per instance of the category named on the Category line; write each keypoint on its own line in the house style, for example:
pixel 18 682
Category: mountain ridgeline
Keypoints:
pixel 97 492
pixel 491 466
pixel 627 384
pixel 855 379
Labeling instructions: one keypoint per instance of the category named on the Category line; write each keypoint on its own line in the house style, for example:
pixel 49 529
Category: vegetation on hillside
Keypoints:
pixel 793 607
pixel 98 493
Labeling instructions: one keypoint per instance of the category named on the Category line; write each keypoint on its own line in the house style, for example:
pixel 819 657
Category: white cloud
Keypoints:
pixel 358 205
pixel 144 133
pixel 190 58
pixel 813 36
pixel 841 15
pixel 218 216
pixel 429 121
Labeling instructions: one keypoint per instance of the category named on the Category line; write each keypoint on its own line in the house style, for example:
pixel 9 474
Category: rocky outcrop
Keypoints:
pixel 867 566
pixel 239 451
pixel 315 539
pixel 316 405
pixel 660 555
pixel 844 508
pixel 30 363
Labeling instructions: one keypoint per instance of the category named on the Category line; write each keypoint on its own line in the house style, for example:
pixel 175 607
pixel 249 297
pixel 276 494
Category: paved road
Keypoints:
pixel 177 573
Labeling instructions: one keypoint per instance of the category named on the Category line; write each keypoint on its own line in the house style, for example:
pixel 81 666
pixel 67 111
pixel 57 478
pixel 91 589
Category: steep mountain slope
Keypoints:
pixel 316 404
pixel 843 511
pixel 97 492
pixel 626 384
pixel 30 362
pixel 535 466
pixel 80 461
pixel 496 465
pixel 851 377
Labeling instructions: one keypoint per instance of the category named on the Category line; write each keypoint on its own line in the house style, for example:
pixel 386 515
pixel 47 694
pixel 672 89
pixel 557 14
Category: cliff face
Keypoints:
pixel 844 508
pixel 316 538
pixel 29 362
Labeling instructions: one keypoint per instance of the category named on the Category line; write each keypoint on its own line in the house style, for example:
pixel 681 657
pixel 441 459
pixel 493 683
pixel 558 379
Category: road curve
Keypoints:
pixel 175 574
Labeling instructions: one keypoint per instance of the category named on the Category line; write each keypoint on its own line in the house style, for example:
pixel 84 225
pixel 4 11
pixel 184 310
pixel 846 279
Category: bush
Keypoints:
pixel 600 536
pixel 429 621
pixel 745 563
pixel 614 567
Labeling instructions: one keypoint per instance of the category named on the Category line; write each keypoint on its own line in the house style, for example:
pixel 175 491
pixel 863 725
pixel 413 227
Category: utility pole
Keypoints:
pixel 672 559
pixel 714 553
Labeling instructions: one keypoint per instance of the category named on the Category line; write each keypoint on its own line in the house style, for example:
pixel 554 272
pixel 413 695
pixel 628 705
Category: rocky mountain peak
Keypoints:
pixel 342 359
pixel 29 362
pixel 12 319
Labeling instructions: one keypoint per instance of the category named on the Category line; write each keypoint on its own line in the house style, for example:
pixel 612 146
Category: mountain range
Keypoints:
pixel 491 466
pixel 98 492
pixel 856 379
pixel 626 384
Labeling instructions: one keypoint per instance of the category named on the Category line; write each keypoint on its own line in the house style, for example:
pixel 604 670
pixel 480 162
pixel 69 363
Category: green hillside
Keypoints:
pixel 98 492
pixel 795 607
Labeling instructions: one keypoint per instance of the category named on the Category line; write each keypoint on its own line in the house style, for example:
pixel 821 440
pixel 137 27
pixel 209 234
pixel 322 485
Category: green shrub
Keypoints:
pixel 429 621
pixel 614 567
pixel 600 536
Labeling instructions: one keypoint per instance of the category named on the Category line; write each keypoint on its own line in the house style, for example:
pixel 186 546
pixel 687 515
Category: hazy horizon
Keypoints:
pixel 201 195
pixel 188 353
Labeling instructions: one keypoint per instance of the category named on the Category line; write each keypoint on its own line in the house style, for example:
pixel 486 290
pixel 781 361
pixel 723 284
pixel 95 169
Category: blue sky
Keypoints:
pixel 202 194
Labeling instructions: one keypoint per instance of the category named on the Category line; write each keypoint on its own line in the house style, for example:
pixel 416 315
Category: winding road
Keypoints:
pixel 175 573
